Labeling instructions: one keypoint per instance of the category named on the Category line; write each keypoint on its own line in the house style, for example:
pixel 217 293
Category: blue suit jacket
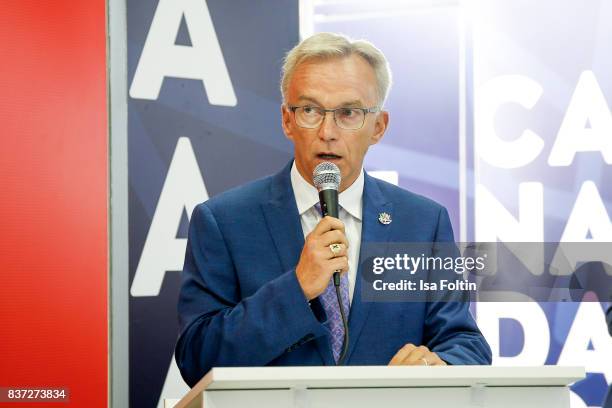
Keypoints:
pixel 241 305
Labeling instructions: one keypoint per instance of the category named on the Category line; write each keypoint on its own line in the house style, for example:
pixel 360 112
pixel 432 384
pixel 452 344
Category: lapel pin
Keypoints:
pixel 384 218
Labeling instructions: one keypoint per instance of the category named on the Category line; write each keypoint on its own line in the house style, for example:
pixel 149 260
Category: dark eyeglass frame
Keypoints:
pixel 293 108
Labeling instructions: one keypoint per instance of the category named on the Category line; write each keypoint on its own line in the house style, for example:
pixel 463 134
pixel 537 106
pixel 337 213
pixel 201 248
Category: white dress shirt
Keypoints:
pixel 350 212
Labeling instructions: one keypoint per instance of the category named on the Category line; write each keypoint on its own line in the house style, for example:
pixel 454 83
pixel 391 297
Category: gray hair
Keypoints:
pixel 331 45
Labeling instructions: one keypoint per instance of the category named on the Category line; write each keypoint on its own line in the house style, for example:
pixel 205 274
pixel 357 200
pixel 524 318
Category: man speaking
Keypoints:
pixel 257 285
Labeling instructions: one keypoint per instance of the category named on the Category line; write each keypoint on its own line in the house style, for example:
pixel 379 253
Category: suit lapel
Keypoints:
pixel 372 231
pixel 283 220
pixel 284 224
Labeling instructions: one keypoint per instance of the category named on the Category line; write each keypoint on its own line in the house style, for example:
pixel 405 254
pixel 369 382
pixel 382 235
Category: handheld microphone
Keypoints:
pixel 326 178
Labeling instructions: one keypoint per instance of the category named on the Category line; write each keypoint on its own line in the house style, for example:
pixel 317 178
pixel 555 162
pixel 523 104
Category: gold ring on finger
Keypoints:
pixel 335 248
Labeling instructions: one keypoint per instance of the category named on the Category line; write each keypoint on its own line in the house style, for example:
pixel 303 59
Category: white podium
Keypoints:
pixel 379 386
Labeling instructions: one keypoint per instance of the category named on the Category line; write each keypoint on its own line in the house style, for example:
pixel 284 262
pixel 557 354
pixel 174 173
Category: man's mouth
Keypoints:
pixel 328 156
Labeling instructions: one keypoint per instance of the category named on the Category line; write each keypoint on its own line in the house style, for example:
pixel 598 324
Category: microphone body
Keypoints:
pixel 329 202
pixel 326 178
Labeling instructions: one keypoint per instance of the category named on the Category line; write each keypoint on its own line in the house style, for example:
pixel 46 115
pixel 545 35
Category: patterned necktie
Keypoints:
pixel 332 309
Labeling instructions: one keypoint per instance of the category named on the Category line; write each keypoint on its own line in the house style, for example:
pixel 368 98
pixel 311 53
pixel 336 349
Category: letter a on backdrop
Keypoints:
pixel 161 57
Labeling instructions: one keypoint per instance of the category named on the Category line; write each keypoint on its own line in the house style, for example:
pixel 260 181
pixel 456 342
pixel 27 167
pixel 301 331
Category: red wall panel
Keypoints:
pixel 53 197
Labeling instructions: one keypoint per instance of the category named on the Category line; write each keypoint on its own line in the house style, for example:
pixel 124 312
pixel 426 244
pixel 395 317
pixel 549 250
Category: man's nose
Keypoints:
pixel 328 130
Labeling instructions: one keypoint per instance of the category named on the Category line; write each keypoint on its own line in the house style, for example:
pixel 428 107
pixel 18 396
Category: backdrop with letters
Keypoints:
pixel 204 116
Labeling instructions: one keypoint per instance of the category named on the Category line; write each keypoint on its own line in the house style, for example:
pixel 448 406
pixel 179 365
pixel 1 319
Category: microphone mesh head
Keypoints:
pixel 326 176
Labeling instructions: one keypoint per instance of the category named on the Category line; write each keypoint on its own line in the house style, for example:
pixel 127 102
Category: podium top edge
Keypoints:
pixel 384 376
pixel 253 378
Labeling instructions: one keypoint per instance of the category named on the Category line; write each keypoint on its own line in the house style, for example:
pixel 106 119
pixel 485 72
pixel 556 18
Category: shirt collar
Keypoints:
pixel 306 195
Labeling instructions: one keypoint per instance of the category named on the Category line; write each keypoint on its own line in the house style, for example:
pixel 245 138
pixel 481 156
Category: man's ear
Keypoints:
pixel 380 127
pixel 286 121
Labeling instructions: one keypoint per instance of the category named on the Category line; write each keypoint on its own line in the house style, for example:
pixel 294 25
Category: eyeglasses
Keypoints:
pixel 311 117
